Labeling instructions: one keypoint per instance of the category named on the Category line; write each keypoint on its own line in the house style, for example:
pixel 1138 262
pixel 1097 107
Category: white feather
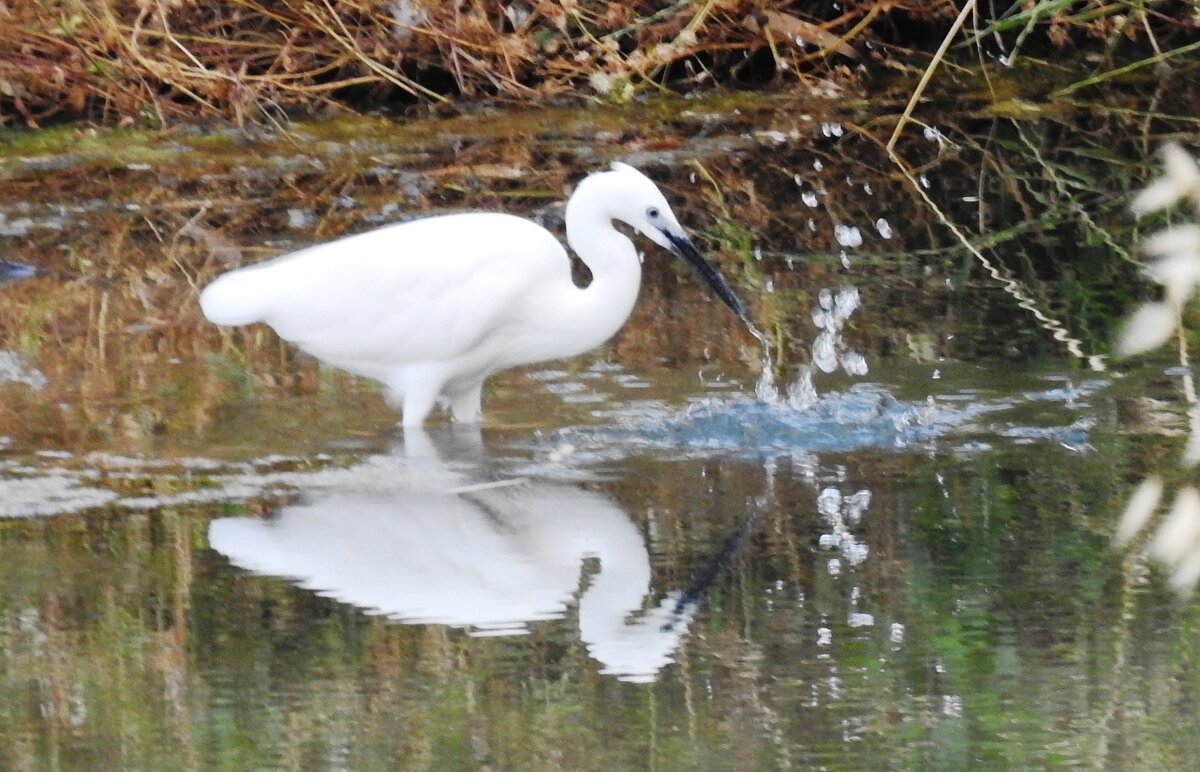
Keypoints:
pixel 434 306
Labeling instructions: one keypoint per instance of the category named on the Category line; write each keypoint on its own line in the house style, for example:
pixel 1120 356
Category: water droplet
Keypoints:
pixel 831 129
pixel 848 235
pixel 854 363
pixel 884 228
pixel 801 392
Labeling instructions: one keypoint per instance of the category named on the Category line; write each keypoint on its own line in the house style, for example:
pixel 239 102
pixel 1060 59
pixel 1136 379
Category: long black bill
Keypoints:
pixel 683 247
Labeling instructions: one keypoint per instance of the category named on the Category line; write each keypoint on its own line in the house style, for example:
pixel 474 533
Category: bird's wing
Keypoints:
pixel 419 291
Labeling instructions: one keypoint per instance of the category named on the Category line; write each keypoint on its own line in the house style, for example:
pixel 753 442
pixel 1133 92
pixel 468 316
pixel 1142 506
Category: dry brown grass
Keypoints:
pixel 119 61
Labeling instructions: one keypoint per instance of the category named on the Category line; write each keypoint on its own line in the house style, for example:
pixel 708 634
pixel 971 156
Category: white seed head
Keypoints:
pixel 1182 179
pixel 1176 240
pixel 1181 167
pixel 1179 535
pixel 1159 195
pixel 1141 506
pixel 1187 574
pixel 1150 326
pixel 1179 273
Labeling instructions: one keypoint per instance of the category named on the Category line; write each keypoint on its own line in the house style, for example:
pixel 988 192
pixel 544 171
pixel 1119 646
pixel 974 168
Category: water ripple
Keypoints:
pixel 864 416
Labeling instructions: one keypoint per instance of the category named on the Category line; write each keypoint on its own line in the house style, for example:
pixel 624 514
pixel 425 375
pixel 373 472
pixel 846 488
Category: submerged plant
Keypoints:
pixel 1176 266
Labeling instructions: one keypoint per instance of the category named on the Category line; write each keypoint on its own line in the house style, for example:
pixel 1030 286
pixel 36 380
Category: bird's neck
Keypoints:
pixel 598 310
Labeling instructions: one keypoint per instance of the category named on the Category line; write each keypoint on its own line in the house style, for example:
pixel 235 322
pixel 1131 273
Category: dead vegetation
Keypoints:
pixel 253 61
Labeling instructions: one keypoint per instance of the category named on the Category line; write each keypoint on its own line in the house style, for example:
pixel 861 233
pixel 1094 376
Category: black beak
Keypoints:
pixel 683 246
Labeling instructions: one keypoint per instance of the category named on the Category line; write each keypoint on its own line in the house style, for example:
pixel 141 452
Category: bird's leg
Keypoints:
pixel 466 405
pixel 417 393
pixel 417 405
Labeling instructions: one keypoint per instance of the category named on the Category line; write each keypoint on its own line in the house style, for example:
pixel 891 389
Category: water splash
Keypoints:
pixel 765 389
pixel 829 351
pixel 864 416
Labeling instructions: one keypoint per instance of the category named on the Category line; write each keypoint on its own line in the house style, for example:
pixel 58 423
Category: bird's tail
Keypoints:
pixel 235 298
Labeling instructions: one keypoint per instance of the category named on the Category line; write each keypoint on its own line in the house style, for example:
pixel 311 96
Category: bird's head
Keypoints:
pixel 643 207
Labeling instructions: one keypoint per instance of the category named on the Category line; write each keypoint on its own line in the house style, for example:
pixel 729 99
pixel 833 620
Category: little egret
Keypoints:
pixel 432 307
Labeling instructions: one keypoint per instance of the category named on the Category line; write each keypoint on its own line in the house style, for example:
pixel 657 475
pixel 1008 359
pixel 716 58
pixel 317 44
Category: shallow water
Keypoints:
pixel 216 554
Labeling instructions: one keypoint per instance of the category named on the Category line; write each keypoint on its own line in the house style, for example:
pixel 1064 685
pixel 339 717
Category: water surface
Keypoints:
pixel 216 554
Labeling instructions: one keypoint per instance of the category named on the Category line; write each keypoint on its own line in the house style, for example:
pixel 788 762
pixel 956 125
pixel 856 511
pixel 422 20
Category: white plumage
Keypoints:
pixel 432 307
pixel 421 542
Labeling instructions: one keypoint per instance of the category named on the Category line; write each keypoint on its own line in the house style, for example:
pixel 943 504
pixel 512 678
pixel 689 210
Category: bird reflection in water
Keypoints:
pixel 416 539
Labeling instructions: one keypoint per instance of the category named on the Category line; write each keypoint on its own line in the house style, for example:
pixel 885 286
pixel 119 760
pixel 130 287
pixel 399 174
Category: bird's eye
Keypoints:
pixel 652 213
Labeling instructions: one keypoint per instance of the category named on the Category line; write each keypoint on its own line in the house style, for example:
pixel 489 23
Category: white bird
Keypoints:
pixel 416 541
pixel 432 307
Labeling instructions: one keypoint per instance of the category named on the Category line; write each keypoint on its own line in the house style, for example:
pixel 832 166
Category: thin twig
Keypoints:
pixel 928 74
pixel 1010 285
pixel 1119 71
